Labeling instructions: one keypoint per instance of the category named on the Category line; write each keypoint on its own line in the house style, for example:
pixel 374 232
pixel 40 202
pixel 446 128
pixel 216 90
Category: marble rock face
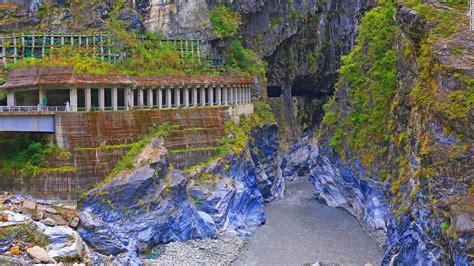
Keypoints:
pixel 154 204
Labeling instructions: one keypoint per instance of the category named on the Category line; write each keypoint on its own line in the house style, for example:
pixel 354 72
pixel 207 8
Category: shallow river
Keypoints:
pixel 300 230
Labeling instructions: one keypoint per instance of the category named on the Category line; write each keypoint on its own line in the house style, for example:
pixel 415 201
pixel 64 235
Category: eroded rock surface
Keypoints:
pixel 154 204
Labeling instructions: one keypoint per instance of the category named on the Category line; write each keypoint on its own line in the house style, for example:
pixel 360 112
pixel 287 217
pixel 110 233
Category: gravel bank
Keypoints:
pixel 220 251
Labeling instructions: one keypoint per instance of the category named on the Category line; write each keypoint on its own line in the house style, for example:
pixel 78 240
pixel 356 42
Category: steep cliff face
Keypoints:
pixel 155 204
pixel 397 133
pixel 302 41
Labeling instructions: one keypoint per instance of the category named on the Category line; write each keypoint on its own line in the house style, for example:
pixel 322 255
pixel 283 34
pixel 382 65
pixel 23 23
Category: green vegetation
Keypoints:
pixel 275 21
pixel 24 233
pixel 35 159
pixel 224 21
pixel 148 57
pixel 447 21
pixel 238 134
pixel 171 152
pixel 370 69
pixel 244 61
pixel 128 160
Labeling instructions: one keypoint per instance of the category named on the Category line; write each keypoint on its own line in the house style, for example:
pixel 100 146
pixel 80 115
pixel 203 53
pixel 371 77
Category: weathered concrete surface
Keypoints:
pixel 89 136
pixel 95 130
pixel 300 230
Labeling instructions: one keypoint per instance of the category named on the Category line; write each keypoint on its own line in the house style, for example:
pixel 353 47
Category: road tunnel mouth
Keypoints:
pixel 274 91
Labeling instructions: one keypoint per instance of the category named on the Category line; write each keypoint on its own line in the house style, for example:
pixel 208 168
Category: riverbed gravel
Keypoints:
pixel 221 251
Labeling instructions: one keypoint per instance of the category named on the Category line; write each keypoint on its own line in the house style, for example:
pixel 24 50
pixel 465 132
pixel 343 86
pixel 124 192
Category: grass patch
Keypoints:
pixel 128 160
pixel 172 152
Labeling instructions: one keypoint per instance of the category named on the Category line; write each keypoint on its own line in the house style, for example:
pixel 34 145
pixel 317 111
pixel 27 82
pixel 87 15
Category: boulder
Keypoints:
pixel 463 223
pixel 74 222
pixel 47 209
pixel 56 218
pixel 39 253
pixel 49 222
pixel 66 244
pixel 29 208
pixel 29 204
pixel 37 215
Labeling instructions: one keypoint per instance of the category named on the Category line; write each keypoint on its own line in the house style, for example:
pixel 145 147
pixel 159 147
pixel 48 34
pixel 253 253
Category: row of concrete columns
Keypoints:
pixel 163 97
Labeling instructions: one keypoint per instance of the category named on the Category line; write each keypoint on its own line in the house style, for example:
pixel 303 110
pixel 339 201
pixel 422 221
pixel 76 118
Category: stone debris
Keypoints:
pixel 39 253
pixel 221 251
pixel 56 218
pixel 47 209
pixel 49 222
pixel 75 222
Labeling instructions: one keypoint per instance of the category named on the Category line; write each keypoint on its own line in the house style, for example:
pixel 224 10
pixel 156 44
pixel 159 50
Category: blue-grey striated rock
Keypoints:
pixel 339 186
pixel 264 151
pixel 300 154
pixel 411 237
pixel 154 204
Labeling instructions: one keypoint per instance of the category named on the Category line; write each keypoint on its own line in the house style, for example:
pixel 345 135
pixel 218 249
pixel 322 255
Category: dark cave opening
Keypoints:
pixel 312 87
pixel 274 91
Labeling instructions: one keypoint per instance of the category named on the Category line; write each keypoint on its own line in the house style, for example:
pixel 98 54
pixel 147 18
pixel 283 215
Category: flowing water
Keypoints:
pixel 300 230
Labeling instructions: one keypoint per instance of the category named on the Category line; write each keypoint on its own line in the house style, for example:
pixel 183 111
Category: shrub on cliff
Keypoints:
pixel 225 22
pixel 244 61
pixel 370 72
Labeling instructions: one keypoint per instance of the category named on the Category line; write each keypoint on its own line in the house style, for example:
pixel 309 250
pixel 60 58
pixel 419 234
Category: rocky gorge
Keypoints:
pixel 372 102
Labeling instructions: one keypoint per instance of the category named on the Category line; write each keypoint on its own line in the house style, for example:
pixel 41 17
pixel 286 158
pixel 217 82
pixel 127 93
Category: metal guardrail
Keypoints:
pixel 32 109
pixel 17 47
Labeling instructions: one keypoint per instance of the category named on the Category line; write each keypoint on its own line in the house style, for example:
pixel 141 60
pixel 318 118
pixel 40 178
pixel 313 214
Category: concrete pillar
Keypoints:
pixel 132 97
pixel 168 98
pixel 177 97
pixel 231 94
pixel 126 98
pixel 11 98
pixel 150 98
pixel 225 95
pixel 203 97
pixel 114 99
pixel 244 94
pixel 88 98
pixel 219 95
pixel 140 98
pixel 195 97
pixel 241 95
pixel 102 99
pixel 73 99
pixel 186 97
pixel 160 98
pixel 210 95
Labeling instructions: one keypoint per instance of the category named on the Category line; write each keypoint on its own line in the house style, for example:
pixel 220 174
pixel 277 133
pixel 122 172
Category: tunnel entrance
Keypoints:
pixel 313 87
pixel 274 91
